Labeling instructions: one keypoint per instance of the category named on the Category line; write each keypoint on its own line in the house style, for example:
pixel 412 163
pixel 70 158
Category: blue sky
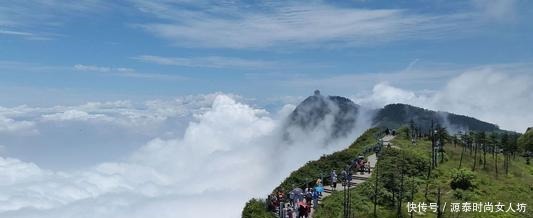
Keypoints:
pixel 137 49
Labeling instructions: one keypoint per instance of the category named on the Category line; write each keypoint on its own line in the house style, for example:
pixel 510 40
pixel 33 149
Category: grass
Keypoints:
pixel 515 187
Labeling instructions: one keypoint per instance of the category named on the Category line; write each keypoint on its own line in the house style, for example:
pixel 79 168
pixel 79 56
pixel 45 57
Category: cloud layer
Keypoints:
pixel 278 24
pixel 228 153
pixel 497 94
pixel 203 150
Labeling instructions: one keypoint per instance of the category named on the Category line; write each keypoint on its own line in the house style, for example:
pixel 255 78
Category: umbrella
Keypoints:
pixel 297 191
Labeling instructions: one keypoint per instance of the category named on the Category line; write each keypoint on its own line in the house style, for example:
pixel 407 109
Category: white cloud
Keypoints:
pixel 82 67
pixel 281 24
pixel 15 171
pixel 211 62
pixel 122 113
pixel 229 153
pixel 16 33
pixel 29 17
pixel 498 94
pixel 74 115
pixel 9 125
pixel 126 72
pixel 383 94
pixel 491 94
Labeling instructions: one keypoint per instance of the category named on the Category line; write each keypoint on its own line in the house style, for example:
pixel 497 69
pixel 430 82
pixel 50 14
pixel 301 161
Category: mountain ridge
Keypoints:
pixel 343 113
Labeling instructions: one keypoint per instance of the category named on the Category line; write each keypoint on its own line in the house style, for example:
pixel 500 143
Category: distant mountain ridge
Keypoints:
pixel 395 115
pixel 342 114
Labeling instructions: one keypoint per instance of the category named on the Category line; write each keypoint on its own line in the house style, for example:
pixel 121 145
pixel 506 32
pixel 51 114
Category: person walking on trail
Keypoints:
pixel 296 210
pixel 281 196
pixel 284 211
pixel 290 212
pixel 272 202
pixel 315 199
pixel 334 179
pixel 319 186
pixel 343 177
pixel 367 166
pixel 308 196
pixel 275 202
pixel 291 198
pixel 302 211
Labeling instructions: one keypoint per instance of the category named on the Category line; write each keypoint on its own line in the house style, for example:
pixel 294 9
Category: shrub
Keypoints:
pixel 256 208
pixel 462 179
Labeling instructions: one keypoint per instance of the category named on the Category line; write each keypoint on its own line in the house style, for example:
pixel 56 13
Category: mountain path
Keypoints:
pixel 357 178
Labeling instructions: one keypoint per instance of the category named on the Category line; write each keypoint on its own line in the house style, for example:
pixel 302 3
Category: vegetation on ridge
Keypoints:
pixel 512 183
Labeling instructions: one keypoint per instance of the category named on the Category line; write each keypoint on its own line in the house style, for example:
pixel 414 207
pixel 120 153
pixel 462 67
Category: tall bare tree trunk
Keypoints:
pixel 496 165
pixel 462 153
pixel 507 164
pixel 400 196
pixel 484 156
pixel 475 157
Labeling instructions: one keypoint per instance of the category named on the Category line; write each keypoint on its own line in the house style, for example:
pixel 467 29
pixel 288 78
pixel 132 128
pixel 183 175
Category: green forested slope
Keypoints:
pixel 484 184
pixel 315 169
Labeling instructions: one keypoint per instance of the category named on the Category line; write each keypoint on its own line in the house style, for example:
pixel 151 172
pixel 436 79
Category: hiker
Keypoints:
pixel 275 201
pixel 319 188
pixel 284 211
pixel 343 177
pixel 359 164
pixel 367 166
pixel 281 196
pixel 290 212
pixel 302 211
pixel 364 164
pixel 291 198
pixel 334 179
pixel 272 202
pixel 296 210
pixel 315 199
pixel 308 196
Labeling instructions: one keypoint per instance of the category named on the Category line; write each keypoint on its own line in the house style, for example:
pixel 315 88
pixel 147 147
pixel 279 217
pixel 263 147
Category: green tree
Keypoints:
pixel 256 208
pixel 525 141
pixel 462 179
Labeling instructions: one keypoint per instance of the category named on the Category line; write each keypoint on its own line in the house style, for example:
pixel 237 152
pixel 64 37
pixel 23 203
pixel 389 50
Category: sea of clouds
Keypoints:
pixel 228 152
pixel 195 156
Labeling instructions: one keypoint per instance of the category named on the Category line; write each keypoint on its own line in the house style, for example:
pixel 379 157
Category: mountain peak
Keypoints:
pixel 334 113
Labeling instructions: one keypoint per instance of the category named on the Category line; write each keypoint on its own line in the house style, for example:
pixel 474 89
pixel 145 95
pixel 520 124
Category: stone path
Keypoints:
pixel 357 178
